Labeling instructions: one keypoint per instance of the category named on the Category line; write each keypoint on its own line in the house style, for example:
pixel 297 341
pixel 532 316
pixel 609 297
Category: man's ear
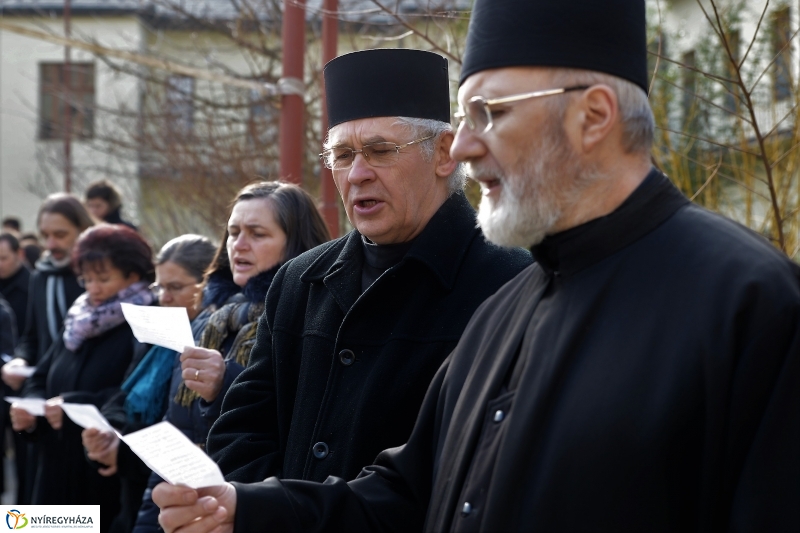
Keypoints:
pixel 599 114
pixel 445 165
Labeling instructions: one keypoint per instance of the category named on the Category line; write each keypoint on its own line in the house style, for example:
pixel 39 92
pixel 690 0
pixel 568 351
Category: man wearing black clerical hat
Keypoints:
pixel 642 375
pixel 354 330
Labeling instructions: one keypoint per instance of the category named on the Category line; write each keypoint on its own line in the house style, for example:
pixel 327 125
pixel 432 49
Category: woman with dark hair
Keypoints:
pixel 87 364
pixel 143 400
pixel 104 202
pixel 270 223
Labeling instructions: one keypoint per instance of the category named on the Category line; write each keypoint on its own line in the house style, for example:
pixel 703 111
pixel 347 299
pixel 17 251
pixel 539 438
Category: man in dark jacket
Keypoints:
pixel 641 376
pixel 52 289
pixel 53 285
pixel 14 277
pixel 14 280
pixel 355 329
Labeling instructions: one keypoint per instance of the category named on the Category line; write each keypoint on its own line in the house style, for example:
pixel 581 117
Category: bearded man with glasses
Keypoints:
pixel 642 375
pixel 355 329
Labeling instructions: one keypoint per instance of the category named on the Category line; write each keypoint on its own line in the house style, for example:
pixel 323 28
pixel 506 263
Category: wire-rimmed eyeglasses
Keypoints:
pixel 383 154
pixel 477 112
pixel 171 288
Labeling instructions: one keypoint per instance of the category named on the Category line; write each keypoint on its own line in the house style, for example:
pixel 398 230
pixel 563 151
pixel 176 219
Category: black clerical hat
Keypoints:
pixel 602 35
pixel 387 82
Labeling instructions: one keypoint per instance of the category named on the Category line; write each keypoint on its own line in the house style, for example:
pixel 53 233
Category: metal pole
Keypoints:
pixel 330 36
pixel 67 99
pixel 291 126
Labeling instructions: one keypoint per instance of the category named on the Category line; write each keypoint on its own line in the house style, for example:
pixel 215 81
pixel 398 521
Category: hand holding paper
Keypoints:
pixel 19 370
pixel 53 412
pixel 15 372
pixel 34 406
pixel 206 510
pixel 172 456
pixel 102 446
pixel 163 326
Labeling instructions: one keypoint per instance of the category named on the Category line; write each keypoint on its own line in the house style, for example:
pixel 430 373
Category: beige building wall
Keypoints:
pixel 31 168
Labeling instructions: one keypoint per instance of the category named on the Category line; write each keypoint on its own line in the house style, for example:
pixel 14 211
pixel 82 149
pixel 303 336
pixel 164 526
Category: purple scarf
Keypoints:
pixel 84 320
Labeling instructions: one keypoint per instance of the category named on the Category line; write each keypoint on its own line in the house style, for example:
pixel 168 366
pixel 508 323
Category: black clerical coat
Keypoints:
pixel 337 375
pixel 642 376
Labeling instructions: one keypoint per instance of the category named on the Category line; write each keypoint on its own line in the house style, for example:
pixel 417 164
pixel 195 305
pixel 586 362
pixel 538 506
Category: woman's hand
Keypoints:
pixel 203 371
pixel 10 378
pixel 102 446
pixel 53 412
pixel 21 420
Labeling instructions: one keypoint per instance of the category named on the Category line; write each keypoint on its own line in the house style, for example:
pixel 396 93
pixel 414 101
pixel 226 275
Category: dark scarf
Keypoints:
pixel 238 318
pixel 55 295
pixel 219 289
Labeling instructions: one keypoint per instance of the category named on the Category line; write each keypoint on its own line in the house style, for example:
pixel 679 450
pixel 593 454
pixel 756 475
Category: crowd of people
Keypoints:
pixel 79 348
pixel 597 353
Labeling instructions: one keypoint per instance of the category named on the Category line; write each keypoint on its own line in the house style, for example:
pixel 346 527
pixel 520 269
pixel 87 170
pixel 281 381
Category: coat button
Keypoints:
pixel 320 450
pixel 499 415
pixel 467 509
pixel 347 357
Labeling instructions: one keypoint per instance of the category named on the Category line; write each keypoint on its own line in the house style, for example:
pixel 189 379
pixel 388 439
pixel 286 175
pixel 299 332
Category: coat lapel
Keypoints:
pixel 343 278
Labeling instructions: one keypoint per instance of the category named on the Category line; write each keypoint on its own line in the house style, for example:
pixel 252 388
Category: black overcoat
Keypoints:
pixel 641 376
pixel 336 375
pixel 45 305
pixel 15 291
pixel 91 374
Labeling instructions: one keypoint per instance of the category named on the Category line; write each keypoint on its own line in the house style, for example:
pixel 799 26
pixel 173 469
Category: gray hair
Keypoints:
pixel 636 116
pixel 193 253
pixel 422 127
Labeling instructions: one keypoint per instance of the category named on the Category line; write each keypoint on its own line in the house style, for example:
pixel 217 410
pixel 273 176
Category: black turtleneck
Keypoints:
pixel 378 258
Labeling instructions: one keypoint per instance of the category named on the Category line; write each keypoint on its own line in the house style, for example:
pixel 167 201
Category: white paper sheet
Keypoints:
pixel 86 416
pixel 172 456
pixel 24 371
pixel 34 406
pixel 164 326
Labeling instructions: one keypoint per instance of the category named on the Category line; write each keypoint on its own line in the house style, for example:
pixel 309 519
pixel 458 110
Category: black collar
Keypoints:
pixel 441 247
pixel 652 203
pixel 384 256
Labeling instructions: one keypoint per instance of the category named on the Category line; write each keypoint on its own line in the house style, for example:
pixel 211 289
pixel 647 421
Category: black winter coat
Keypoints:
pixel 15 291
pixel 46 308
pixel 336 375
pixel 92 374
pixel 8 328
pixel 641 376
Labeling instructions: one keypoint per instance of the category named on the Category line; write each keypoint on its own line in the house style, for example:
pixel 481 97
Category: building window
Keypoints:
pixel 53 95
pixel 180 104
pixel 782 51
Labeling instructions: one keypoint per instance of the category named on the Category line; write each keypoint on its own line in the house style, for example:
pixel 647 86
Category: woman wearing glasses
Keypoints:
pixel 269 224
pixel 143 400
pixel 87 364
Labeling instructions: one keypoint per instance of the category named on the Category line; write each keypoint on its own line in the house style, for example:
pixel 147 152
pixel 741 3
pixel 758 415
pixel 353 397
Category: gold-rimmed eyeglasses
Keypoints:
pixel 477 113
pixel 384 154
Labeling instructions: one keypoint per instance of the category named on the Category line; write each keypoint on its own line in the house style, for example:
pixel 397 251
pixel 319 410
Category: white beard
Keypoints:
pixel 521 216
pixel 534 196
